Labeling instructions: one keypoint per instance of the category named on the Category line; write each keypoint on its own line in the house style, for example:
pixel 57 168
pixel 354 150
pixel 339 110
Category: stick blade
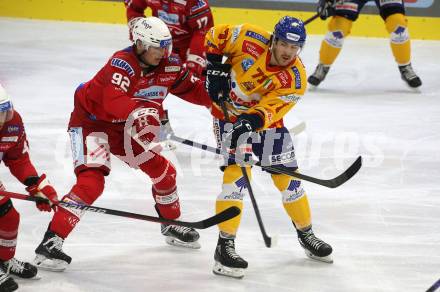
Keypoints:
pixel 224 215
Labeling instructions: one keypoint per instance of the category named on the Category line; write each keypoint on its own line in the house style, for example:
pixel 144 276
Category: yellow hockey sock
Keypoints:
pixel 233 189
pixel 295 200
pixel 397 26
pixel 338 28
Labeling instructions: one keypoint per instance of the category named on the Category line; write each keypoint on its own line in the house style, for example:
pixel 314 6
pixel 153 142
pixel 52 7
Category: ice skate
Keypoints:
pixel 314 247
pixel 319 75
pixel 227 261
pixel 180 236
pixel 49 254
pixel 409 76
pixel 19 269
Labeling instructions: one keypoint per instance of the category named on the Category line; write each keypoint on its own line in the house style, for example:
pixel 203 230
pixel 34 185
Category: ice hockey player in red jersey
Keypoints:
pixel 14 153
pixel 188 21
pixel 117 112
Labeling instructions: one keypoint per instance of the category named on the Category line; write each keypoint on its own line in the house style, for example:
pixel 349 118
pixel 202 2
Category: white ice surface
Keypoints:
pixel 384 224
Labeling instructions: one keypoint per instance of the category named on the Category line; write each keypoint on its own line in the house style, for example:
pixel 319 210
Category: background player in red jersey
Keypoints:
pixel 118 112
pixel 14 153
pixel 188 21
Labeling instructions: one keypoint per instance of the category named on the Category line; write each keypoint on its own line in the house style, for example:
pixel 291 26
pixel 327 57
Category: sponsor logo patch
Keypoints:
pixel 122 64
pixel 297 77
pixel 285 79
pixel 282 158
pixel 169 18
pixel 172 69
pixel 257 36
pixel 10 139
pixel 153 92
pixel 199 4
pixel 13 129
pixel 290 98
pixel 252 49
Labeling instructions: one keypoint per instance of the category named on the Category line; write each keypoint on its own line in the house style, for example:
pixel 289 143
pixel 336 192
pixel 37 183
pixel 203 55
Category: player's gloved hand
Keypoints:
pixel 40 187
pixel 146 124
pixel 241 130
pixel 326 8
pixel 218 78
pixel 195 64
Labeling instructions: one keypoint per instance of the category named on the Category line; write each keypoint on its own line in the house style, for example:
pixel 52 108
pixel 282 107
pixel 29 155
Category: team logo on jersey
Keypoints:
pixel 246 64
pixel 297 77
pixel 199 4
pixel 285 79
pixel 122 64
pixel 152 92
pixel 169 18
pixel 252 49
pixel 257 36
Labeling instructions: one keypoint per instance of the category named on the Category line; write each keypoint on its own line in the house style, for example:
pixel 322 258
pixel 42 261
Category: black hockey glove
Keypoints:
pixel 326 8
pixel 241 129
pixel 218 78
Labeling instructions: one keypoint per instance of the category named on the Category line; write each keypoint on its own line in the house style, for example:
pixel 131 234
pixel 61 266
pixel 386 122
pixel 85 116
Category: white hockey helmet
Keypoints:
pixel 152 31
pixel 6 109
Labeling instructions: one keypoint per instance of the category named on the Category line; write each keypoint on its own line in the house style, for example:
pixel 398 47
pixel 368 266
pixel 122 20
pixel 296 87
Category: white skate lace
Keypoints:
pixel 181 229
pixel 3 276
pixel 15 266
pixel 57 243
pixel 409 72
pixel 312 240
pixel 230 249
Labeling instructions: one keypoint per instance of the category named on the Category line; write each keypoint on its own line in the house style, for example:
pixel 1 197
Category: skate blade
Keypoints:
pixel 327 259
pixel 36 277
pixel 53 265
pixel 221 270
pixel 175 242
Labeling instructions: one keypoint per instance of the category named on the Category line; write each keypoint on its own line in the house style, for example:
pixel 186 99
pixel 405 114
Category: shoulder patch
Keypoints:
pixel 297 77
pixel 257 36
pixel 122 64
pixel 252 49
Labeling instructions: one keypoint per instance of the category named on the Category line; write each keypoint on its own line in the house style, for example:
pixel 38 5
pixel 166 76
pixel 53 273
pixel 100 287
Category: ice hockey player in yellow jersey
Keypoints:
pixel 260 82
pixel 344 13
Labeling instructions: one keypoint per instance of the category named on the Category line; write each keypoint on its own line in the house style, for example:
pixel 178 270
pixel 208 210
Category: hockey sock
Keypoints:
pixel 9 221
pixel 295 201
pixel 396 25
pixel 338 28
pixel 89 186
pixel 232 194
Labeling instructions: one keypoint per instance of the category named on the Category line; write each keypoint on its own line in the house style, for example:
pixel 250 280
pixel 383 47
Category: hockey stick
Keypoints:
pixel 434 286
pixel 298 129
pixel 330 183
pixel 206 223
pixel 267 239
pixel 307 21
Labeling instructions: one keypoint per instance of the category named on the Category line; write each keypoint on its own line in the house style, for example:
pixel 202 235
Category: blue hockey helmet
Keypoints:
pixel 291 30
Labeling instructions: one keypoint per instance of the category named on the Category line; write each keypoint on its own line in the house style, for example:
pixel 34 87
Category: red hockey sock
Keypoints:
pixel 9 221
pixel 89 186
